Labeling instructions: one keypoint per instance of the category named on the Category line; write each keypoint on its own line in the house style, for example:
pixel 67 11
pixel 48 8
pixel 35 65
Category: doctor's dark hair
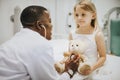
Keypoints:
pixel 31 14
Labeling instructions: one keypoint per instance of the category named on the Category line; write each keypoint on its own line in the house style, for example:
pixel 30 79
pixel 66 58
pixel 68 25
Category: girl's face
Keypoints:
pixel 83 18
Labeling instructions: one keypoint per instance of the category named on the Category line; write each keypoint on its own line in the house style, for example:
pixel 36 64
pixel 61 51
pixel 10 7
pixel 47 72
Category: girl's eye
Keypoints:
pixel 76 15
pixel 72 45
pixel 83 14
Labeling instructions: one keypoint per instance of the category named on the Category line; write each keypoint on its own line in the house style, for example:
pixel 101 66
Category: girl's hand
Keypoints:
pixel 87 71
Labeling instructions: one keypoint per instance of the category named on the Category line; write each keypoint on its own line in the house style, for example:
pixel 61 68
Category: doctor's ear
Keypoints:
pixel 41 29
pixel 39 25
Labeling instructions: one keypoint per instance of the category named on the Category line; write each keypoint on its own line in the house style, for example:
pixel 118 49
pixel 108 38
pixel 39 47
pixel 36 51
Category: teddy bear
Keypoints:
pixel 75 58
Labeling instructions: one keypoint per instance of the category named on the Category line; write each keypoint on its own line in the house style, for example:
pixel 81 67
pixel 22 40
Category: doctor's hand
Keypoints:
pixel 72 63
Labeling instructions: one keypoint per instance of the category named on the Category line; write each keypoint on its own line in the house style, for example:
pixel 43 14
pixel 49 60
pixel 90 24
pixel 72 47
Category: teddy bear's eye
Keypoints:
pixel 72 45
pixel 77 45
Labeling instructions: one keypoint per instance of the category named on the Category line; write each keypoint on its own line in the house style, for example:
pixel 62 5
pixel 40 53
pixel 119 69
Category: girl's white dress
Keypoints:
pixel 91 51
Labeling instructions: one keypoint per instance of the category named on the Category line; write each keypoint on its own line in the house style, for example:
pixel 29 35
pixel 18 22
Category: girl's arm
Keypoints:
pixel 101 50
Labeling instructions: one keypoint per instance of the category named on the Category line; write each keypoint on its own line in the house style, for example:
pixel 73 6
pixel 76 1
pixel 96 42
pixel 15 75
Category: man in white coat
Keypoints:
pixel 28 55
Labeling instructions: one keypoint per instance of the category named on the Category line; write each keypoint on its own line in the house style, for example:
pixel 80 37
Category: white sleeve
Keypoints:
pixel 40 64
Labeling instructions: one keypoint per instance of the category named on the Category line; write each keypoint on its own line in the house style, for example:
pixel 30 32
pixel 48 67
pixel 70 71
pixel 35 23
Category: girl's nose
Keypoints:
pixel 79 17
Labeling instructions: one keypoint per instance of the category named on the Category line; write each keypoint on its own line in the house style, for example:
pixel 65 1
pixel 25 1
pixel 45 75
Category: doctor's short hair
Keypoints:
pixel 31 14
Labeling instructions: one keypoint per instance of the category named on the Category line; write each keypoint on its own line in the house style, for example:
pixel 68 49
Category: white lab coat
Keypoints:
pixel 27 56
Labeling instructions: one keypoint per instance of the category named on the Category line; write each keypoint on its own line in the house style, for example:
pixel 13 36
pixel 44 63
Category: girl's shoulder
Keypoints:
pixel 97 31
pixel 99 34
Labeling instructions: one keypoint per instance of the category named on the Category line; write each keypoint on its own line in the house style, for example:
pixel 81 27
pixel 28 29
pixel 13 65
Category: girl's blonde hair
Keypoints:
pixel 87 5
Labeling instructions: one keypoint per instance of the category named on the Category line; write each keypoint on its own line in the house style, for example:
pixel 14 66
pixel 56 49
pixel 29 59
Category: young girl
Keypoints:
pixel 88 30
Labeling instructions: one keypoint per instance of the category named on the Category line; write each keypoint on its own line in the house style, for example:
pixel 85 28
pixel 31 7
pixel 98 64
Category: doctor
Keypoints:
pixel 28 55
